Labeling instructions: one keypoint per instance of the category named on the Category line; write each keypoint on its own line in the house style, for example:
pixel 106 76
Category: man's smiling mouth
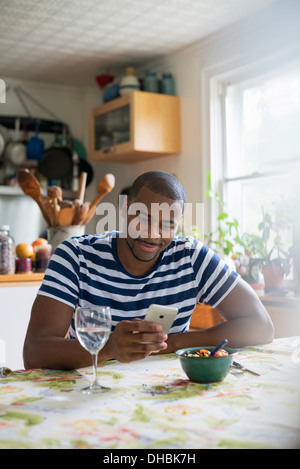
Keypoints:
pixel 147 246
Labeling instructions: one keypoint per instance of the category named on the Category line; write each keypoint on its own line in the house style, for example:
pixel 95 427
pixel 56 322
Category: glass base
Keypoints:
pixel 95 389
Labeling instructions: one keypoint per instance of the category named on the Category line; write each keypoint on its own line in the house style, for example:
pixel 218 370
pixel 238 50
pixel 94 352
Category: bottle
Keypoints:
pixel 168 84
pixel 7 251
pixel 151 82
pixel 129 82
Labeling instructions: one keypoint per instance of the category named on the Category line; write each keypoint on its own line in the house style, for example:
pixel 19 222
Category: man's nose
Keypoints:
pixel 151 230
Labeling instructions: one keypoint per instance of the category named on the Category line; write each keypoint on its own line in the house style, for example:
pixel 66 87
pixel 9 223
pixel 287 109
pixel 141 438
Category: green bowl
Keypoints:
pixel 205 370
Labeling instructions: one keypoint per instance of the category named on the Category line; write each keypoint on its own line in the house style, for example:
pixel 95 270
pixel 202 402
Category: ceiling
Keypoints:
pixel 72 41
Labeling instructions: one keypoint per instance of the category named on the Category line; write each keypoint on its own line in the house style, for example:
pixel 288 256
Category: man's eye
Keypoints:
pixel 142 219
pixel 167 226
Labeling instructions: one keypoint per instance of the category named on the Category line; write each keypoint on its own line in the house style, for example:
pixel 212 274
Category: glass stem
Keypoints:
pixel 95 358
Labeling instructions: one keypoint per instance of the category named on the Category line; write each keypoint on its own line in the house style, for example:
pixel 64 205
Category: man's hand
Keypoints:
pixel 136 339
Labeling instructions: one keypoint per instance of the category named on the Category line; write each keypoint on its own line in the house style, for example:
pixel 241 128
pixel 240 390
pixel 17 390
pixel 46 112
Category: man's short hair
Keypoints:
pixel 161 183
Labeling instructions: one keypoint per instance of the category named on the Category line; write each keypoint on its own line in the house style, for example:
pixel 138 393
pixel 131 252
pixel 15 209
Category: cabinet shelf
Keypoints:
pixel 137 126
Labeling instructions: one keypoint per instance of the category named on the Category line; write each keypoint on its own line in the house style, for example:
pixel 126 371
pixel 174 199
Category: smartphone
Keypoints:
pixel 164 315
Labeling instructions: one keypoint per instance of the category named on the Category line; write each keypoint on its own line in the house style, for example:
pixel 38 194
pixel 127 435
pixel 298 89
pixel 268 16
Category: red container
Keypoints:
pixel 23 265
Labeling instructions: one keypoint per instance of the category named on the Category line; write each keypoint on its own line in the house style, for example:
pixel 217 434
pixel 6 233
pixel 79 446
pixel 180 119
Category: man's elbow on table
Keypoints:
pixel 30 358
pixel 248 316
pixel 265 329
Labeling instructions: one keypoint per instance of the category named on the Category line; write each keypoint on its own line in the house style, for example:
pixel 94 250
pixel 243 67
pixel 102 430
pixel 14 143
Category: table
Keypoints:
pixel 152 404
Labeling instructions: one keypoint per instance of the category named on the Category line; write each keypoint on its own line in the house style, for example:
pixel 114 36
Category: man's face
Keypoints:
pixel 152 221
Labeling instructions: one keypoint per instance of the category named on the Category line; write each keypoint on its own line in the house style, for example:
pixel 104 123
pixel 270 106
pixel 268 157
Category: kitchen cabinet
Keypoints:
pixel 134 127
pixel 17 293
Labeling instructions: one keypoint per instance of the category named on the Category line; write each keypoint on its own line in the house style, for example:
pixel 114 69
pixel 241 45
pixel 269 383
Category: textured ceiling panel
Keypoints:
pixel 72 41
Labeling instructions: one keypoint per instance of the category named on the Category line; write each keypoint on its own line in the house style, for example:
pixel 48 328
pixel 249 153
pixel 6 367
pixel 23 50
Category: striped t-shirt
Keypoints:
pixel 86 271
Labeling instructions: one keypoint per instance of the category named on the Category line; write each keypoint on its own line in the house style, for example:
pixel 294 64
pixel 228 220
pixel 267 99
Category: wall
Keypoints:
pixel 261 40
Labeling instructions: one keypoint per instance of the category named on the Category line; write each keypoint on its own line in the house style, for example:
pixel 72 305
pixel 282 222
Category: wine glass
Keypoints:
pixel 93 327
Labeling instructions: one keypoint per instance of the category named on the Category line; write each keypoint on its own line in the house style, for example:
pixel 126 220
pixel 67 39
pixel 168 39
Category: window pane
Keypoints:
pixel 263 125
pixel 276 195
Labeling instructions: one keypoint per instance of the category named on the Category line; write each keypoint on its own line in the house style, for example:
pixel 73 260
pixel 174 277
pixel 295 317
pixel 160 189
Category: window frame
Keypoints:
pixel 216 82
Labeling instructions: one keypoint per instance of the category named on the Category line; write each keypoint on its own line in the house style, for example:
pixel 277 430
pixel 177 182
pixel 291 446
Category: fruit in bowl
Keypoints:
pixel 202 367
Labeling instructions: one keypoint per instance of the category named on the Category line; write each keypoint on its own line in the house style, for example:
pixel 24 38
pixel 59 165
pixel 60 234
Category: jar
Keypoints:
pixel 168 84
pixel 7 251
pixel 42 257
pixel 129 82
pixel 151 82
pixel 23 265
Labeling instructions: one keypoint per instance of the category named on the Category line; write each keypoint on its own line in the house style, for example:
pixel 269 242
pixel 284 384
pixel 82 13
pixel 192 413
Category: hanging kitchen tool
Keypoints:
pixel 79 148
pixel 4 138
pixel 15 151
pixel 56 162
pixel 30 186
pixel 82 164
pixel 35 146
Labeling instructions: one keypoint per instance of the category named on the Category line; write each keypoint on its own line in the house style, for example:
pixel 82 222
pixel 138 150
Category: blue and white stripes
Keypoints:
pixel 86 271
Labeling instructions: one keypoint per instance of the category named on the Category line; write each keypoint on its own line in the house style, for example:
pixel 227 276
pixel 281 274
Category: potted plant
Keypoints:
pixel 277 259
pixel 226 239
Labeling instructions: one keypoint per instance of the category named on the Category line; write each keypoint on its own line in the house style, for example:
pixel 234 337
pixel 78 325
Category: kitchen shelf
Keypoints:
pixel 16 190
pixel 11 190
pixel 134 127
pixel 31 278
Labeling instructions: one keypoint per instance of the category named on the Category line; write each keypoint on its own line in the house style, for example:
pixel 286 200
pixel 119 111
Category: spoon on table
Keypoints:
pixel 31 186
pixel 105 186
pixel 218 347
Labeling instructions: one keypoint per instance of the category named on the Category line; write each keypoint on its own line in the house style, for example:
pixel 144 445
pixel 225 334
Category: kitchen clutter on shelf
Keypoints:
pixel 65 218
pixel 45 147
pixel 113 88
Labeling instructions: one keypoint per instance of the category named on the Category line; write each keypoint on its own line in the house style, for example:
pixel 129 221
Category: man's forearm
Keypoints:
pixel 59 353
pixel 239 332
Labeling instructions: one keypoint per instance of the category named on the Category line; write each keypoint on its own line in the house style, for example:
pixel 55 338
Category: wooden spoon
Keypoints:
pixel 54 194
pixel 83 212
pixel 81 189
pixel 30 186
pixel 66 216
pixel 77 208
pixel 105 186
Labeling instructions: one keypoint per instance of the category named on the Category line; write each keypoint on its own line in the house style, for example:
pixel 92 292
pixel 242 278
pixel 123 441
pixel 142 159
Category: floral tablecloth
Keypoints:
pixel 152 404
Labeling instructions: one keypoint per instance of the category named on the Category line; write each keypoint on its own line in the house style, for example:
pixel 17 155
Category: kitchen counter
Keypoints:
pixel 21 279
pixel 17 293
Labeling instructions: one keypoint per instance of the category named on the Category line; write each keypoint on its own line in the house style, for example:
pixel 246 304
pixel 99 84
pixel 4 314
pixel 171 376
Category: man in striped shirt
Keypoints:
pixel 146 263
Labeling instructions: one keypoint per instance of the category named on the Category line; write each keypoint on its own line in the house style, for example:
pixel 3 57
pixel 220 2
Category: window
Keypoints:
pixel 259 156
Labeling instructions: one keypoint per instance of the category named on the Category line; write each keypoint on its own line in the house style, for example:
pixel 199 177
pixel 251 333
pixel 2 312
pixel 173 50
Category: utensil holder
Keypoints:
pixel 57 234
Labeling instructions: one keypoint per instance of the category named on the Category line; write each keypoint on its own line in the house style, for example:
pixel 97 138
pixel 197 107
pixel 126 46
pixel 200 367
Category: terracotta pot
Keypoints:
pixel 273 276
